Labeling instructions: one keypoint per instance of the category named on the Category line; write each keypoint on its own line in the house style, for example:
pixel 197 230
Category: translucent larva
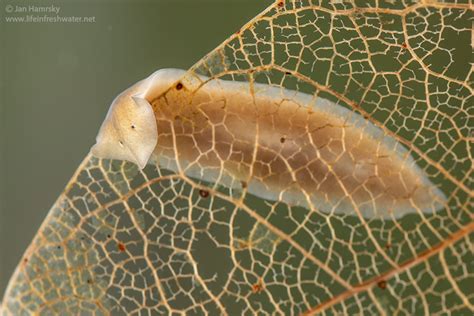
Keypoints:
pixel 277 144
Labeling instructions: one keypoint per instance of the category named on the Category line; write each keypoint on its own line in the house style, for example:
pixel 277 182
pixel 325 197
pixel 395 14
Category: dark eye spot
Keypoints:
pixel 179 86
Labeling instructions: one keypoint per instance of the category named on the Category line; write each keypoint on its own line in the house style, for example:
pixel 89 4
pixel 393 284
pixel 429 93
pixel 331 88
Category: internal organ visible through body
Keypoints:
pixel 286 146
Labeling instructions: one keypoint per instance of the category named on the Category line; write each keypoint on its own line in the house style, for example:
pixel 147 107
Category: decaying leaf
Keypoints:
pixel 178 237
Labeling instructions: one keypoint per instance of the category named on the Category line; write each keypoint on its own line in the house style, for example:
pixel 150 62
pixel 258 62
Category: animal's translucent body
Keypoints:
pixel 277 144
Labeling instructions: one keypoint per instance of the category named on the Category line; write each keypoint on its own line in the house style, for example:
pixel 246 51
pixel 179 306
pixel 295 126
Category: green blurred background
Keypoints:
pixel 58 79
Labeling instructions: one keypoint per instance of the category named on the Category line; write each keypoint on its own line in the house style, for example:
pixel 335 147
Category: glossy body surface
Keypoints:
pixel 274 143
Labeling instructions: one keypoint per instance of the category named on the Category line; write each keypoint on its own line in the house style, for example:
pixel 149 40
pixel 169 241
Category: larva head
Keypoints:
pixel 129 130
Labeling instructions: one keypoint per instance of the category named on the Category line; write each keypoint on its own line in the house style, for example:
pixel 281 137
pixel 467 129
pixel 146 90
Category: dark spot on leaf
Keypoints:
pixel 203 193
pixel 25 260
pixel 59 247
pixel 257 287
pixel 244 184
pixel 108 235
pixel 282 140
pixel 121 247
pixel 280 4
pixel 133 126
pixel 89 281
pixel 179 86
pixel 404 45
pixel 288 73
pixel 382 284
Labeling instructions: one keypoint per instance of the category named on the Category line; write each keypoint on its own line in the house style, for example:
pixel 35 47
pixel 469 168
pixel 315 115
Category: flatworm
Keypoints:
pixel 284 145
